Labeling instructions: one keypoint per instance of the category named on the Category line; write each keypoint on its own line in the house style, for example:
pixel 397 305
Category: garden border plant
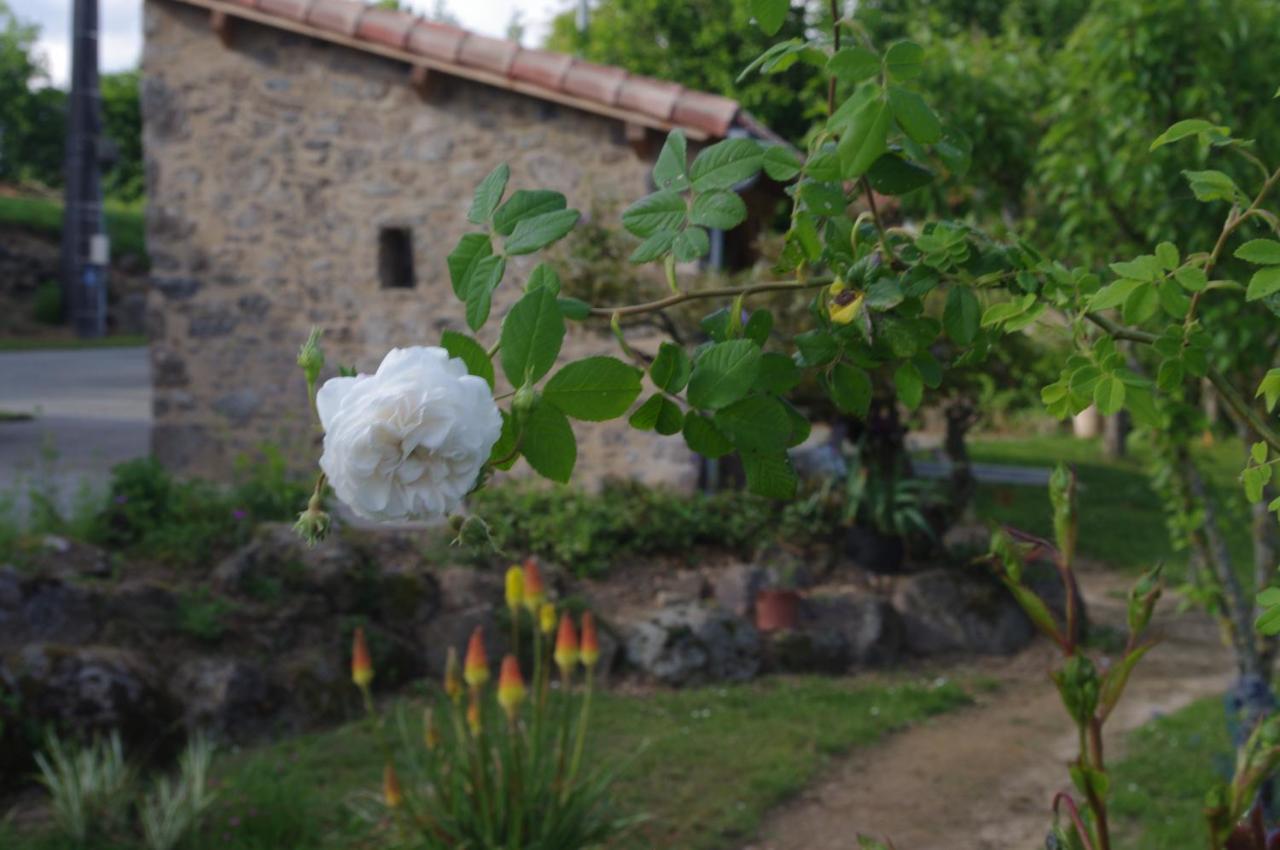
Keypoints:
pixel 890 309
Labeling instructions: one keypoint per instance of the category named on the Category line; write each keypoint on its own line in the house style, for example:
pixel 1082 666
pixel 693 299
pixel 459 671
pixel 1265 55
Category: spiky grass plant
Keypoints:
pixel 89 787
pixel 174 807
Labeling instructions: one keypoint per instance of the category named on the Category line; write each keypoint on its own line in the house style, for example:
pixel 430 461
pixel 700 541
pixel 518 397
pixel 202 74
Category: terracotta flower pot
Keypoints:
pixel 777 609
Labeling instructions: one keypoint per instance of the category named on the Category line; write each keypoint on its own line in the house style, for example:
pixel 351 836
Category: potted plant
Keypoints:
pixel 778 606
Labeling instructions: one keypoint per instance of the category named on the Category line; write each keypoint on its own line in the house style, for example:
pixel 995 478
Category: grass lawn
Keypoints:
pixel 125 224
pixel 1121 521
pixel 704 764
pixel 61 343
pixel 1159 788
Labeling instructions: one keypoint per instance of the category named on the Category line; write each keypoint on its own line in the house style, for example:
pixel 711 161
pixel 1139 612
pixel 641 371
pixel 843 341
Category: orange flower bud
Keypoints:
pixel 361 665
pixel 547 618
pixel 476 671
pixel 391 793
pixel 535 593
pixel 510 686
pixel 515 588
pixel 452 675
pixel 566 645
pixel 473 715
pixel 589 650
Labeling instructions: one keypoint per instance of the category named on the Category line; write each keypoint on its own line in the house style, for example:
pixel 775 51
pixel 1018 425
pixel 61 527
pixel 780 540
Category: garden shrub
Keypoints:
pixel 47 305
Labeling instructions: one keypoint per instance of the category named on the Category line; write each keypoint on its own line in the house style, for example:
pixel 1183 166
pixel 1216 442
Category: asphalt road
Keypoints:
pixel 92 410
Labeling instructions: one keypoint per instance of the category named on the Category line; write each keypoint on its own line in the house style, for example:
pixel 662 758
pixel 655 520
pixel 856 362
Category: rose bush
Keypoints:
pixel 410 440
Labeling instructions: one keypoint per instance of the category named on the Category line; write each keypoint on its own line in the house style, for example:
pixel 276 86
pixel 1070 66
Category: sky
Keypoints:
pixel 120 43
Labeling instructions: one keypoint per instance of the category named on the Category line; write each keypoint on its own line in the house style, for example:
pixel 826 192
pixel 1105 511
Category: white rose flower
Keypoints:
pixel 408 441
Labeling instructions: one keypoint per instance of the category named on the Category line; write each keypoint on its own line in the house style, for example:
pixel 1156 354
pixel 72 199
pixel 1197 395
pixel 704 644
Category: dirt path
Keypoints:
pixel 983 778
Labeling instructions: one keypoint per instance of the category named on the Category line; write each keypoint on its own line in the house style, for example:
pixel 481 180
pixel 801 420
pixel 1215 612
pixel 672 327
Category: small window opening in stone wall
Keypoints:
pixel 395 258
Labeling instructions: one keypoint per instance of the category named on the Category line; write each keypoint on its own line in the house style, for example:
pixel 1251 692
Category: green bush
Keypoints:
pixel 588 532
pixel 47 308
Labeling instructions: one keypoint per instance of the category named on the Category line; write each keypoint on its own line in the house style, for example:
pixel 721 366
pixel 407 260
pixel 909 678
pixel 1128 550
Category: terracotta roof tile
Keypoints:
pixel 607 90
pixel 654 98
pixel 600 83
pixel 437 41
pixel 488 54
pixel 294 10
pixel 711 112
pixel 541 68
pixel 340 16
pixel 385 26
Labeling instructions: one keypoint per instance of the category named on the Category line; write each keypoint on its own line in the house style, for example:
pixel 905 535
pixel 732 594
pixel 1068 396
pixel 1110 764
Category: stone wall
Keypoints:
pixel 272 164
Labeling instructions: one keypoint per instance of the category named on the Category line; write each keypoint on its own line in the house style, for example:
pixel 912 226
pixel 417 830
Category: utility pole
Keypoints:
pixel 85 250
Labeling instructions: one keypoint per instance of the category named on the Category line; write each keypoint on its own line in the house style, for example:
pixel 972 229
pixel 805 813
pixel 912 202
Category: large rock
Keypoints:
pixel 691 644
pixel 89 689
pixel 960 611
pixel 735 587
pixel 276 560
pixel 837 631
pixel 40 608
pixel 228 697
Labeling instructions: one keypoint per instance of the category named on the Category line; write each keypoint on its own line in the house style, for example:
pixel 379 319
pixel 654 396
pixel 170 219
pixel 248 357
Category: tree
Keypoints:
pixel 32 118
pixel 702 44
pixel 122 123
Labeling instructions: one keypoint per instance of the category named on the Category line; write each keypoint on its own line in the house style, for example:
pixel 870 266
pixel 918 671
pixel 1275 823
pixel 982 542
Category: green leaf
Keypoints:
pixel 769 14
pixel 692 243
pixel 724 373
pixel 1268 621
pixel 720 210
pixel 670 370
pixel 759 326
pixel 462 261
pixel 780 162
pixel 770 474
pixel 1167 254
pixel 484 280
pixel 660 212
pixel 851 389
pixel 904 60
pixel 779 374
pixel 548 444
pixel 961 315
pixel 1172 300
pixel 671 171
pixel 1265 281
pixel 543 276
pixel 1270 388
pixel 531 337
pixel 1192 278
pixel 525 203
pixel 574 308
pixel 1113 295
pixel 1145 267
pixel 816 347
pixel 655 246
pixel 594 388
pixel 469 352
pixel 914 116
pixel 1183 129
pixel 1213 186
pixel 703 437
pixel 1255 480
pixel 893 175
pixel 863 140
pixel 658 413
pixel 1108 395
pixel 1263 252
pixel 884 294
pixel 539 231
pixel 726 164
pixel 1113 683
pixel 488 194
pixel 755 422
pixel 853 65
pixel 1141 304
pixel 909 384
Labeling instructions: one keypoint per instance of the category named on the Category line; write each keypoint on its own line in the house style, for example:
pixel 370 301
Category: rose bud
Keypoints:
pixel 589 649
pixel 843 304
pixel 361 665
pixel 476 670
pixel 566 654
pixel 510 687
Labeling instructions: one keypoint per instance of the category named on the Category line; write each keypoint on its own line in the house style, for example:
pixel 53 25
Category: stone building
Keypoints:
pixel 311 162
